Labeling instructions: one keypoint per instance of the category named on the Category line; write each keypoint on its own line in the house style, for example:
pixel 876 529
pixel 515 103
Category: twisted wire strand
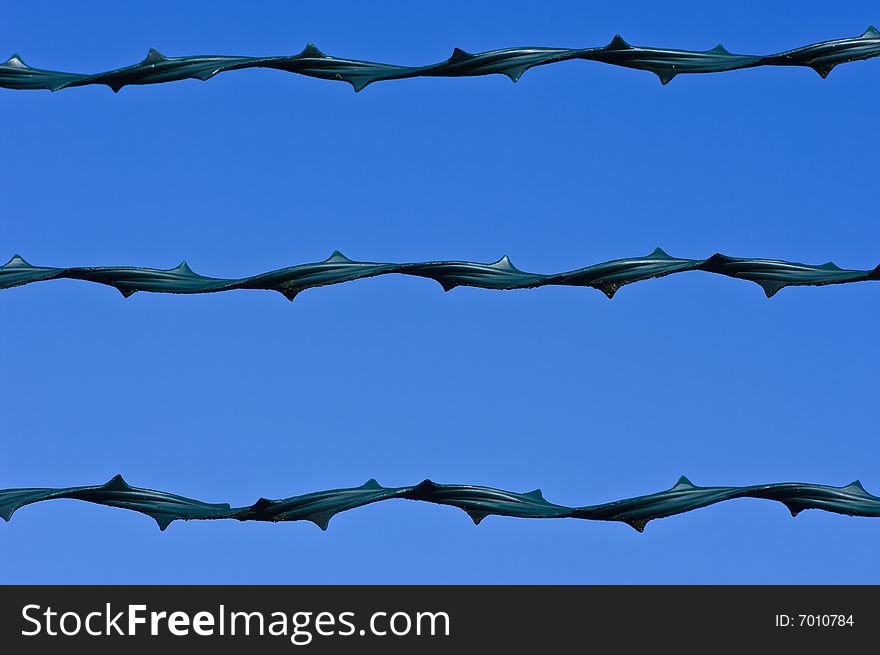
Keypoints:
pixel 772 275
pixel 477 502
pixel 512 62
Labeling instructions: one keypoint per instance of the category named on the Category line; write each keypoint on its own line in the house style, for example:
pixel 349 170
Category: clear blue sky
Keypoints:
pixel 232 396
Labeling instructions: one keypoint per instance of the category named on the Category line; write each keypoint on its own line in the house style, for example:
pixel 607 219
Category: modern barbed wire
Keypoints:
pixel 478 502
pixel 771 274
pixel 512 62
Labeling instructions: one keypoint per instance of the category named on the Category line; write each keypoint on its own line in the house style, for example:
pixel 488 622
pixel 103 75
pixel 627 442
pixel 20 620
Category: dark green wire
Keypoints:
pixel 513 62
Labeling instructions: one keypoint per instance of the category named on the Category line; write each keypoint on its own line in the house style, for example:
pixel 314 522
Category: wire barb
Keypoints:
pixel 666 63
pixel 477 502
pixel 771 274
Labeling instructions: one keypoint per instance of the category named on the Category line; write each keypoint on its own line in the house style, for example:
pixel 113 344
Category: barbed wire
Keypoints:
pixel 771 274
pixel 477 502
pixel 512 62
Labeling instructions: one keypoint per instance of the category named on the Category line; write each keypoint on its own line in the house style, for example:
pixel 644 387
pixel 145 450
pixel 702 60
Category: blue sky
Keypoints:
pixel 233 396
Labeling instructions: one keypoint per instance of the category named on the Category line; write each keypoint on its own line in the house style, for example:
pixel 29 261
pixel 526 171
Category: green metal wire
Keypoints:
pixel 512 62
pixel 772 275
pixel 478 502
